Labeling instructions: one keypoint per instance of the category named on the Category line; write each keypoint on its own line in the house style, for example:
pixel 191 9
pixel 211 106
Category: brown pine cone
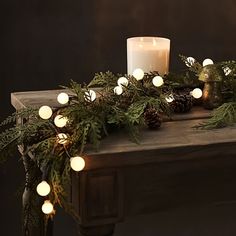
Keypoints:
pixel 182 103
pixel 152 118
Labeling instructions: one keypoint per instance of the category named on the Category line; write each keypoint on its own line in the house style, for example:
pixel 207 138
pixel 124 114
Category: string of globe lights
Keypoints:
pixel 77 163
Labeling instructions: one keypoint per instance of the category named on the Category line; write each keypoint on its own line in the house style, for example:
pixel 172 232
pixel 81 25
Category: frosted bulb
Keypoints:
pixel 207 62
pixel 227 71
pixel 62 138
pixel 170 98
pixel 196 93
pixel 45 112
pixel 122 81
pixel 47 207
pixel 90 96
pixel 138 74
pixel 60 121
pixel 157 81
pixel 43 189
pixel 63 98
pixel 118 90
pixel 190 61
pixel 77 163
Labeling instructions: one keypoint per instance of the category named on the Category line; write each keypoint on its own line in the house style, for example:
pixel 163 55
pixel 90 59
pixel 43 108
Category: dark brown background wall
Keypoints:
pixel 46 42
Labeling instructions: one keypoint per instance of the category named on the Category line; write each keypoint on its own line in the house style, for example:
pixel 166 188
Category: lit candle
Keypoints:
pixel 148 54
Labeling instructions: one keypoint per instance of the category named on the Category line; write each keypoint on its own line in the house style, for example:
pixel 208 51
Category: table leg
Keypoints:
pixel 33 218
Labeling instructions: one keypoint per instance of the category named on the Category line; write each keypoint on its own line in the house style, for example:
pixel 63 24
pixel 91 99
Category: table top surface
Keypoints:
pixel 177 133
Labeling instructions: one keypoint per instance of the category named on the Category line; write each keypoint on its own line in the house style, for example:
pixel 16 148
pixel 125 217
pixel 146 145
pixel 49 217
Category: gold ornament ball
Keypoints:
pixel 43 189
pixel 60 121
pixel 63 98
pixel 77 163
pixel 157 81
pixel 45 112
pixel 138 74
pixel 47 207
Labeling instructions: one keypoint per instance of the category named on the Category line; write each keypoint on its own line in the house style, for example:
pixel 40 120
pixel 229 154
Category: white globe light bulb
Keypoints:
pixel 60 121
pixel 190 61
pixel 62 138
pixel 138 74
pixel 170 98
pixel 47 207
pixel 63 98
pixel 122 81
pixel 157 81
pixel 118 90
pixel 45 112
pixel 77 163
pixel 43 189
pixel 227 71
pixel 207 62
pixel 196 93
pixel 90 96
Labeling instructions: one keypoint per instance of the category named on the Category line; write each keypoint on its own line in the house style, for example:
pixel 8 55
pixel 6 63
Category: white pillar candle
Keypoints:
pixel 148 54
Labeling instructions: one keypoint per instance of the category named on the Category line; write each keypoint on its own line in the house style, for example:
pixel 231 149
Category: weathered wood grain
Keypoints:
pixel 175 166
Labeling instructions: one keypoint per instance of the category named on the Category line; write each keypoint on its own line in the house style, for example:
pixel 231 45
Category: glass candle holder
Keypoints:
pixel 148 54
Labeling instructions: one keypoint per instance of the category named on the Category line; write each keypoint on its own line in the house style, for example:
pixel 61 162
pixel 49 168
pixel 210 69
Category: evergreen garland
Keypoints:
pixel 90 121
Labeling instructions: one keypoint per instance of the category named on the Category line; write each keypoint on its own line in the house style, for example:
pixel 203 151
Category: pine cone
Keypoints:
pixel 124 102
pixel 152 118
pixel 182 103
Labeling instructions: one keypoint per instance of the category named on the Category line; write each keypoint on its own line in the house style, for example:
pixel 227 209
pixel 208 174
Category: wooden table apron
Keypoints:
pixel 176 166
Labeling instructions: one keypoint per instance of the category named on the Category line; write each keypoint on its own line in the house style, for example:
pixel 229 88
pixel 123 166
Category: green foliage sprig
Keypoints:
pixel 223 116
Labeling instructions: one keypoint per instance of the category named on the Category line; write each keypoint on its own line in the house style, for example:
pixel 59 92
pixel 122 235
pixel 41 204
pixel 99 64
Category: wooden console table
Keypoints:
pixel 172 167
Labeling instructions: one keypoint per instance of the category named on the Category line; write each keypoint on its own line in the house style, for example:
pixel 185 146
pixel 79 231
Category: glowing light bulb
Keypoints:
pixel 45 112
pixel 60 121
pixel 122 81
pixel 138 74
pixel 190 61
pixel 90 96
pixel 118 90
pixel 157 81
pixel 170 98
pixel 43 189
pixel 63 98
pixel 77 163
pixel 207 62
pixel 227 71
pixel 47 207
pixel 62 138
pixel 196 93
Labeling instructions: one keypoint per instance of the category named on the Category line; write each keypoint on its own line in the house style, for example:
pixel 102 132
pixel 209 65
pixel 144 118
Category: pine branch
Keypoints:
pixel 195 67
pixel 23 114
pixel 103 80
pixel 8 143
pixel 95 133
pixel 223 116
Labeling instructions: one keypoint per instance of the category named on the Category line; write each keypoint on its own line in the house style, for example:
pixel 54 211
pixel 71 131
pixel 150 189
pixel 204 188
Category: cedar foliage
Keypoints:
pixel 89 122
